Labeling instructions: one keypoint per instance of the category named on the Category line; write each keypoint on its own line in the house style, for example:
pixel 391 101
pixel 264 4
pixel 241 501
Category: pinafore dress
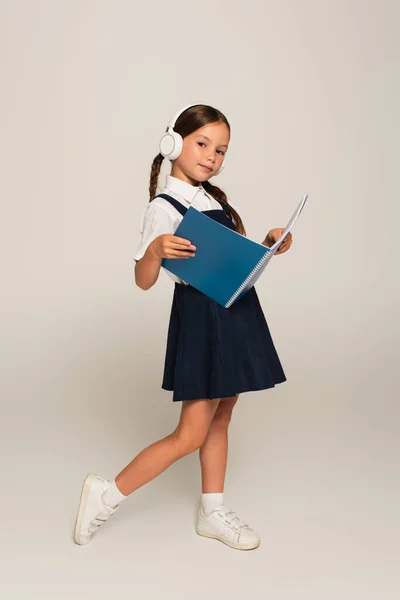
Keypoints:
pixel 216 352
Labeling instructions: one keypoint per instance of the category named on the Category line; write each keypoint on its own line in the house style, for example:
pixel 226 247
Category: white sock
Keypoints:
pixel 113 496
pixel 210 501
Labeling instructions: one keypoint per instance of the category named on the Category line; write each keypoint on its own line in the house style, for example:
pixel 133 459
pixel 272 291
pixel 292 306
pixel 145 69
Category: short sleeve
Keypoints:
pixel 155 221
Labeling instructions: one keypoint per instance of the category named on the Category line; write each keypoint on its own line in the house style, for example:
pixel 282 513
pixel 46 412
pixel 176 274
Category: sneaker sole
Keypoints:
pixel 86 487
pixel 227 542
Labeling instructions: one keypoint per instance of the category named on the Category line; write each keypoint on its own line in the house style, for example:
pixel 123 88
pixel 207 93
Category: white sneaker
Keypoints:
pixel 223 524
pixel 92 511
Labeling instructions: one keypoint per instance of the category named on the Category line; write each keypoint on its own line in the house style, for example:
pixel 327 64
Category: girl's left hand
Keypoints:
pixel 274 235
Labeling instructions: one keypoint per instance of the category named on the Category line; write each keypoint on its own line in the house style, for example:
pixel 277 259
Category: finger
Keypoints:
pixel 180 254
pixel 178 240
pixel 177 244
pixel 180 247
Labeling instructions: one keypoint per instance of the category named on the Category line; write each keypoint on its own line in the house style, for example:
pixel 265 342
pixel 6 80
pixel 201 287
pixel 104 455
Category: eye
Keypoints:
pixel 203 144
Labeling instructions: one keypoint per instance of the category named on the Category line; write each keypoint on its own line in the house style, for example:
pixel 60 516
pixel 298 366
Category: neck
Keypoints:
pixel 179 174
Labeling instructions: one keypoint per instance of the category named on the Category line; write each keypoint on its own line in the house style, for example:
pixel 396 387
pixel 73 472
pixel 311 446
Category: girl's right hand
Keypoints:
pixel 171 246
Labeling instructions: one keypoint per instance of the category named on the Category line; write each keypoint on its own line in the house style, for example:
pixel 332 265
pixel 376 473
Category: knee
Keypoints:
pixel 223 418
pixel 188 441
pixel 223 414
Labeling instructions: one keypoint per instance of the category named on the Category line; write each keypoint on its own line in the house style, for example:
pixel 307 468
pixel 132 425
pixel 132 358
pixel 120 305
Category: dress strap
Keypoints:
pixel 227 210
pixel 179 207
pixel 182 209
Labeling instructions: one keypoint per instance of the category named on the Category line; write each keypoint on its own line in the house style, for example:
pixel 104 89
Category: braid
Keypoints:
pixel 219 195
pixel 155 172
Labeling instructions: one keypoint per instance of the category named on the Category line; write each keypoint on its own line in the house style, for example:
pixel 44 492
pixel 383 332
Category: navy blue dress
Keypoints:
pixel 217 352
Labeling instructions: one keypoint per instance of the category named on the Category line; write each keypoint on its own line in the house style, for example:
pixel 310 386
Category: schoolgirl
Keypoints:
pixel 212 354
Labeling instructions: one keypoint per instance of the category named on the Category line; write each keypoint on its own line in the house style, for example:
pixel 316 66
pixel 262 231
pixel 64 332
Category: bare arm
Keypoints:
pixel 147 269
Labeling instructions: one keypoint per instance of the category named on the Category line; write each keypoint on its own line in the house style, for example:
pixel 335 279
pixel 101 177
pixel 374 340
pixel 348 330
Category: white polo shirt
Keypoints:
pixel 161 217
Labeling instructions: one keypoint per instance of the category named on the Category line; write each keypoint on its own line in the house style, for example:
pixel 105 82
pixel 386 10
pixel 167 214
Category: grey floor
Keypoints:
pixel 316 478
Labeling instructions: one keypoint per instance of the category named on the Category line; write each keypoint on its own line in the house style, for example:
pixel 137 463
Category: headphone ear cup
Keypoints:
pixel 171 145
pixel 220 169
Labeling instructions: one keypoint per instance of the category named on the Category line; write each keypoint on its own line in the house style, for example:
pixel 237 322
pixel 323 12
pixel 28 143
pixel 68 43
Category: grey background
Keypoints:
pixel 311 90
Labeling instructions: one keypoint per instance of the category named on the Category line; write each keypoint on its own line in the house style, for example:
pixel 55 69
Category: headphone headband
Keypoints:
pixel 176 116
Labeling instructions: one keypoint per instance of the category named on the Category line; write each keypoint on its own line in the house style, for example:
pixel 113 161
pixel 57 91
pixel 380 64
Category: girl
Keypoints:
pixel 213 354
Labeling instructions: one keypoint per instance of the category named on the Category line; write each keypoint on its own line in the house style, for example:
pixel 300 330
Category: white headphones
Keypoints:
pixel 171 143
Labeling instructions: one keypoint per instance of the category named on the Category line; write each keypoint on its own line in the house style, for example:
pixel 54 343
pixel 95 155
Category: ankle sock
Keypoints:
pixel 210 501
pixel 113 496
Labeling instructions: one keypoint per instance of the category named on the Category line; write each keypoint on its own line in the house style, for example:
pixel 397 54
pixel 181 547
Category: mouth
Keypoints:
pixel 208 169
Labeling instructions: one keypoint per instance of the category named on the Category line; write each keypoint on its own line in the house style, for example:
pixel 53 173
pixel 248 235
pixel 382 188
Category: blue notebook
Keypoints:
pixel 226 264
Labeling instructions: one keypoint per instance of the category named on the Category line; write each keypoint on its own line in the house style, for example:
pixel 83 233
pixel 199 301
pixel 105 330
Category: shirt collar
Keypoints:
pixel 183 189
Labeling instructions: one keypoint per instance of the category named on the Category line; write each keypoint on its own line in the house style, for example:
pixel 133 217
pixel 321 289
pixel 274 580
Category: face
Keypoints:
pixel 202 153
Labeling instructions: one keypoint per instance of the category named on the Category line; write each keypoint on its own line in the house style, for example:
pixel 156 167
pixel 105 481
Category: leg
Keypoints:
pixel 189 435
pixel 214 451
pixel 222 524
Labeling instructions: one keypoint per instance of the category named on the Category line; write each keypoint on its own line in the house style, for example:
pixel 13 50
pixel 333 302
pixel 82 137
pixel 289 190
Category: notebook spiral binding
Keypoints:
pixel 246 281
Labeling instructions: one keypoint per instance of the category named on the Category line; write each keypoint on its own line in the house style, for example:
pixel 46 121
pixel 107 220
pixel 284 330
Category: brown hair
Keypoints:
pixel 189 121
